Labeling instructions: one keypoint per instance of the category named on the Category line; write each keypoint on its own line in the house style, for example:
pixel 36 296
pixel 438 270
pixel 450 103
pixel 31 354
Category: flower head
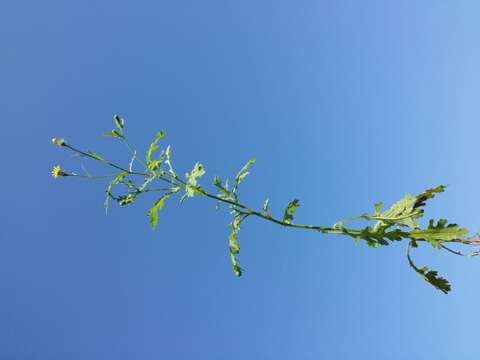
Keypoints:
pixel 59 142
pixel 57 171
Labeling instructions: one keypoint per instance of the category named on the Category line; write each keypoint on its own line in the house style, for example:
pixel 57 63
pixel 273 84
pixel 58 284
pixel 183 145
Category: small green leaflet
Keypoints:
pixel 427 194
pixel 430 276
pixel 168 162
pixel 265 206
pixel 242 174
pixel 114 181
pixel 192 183
pixel 154 146
pixel 435 234
pixel 159 204
pixel 290 210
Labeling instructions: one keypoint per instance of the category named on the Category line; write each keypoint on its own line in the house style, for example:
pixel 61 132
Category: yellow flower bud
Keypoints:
pixel 59 142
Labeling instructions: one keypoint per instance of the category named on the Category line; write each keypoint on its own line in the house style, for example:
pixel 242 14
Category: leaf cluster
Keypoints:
pixel 400 222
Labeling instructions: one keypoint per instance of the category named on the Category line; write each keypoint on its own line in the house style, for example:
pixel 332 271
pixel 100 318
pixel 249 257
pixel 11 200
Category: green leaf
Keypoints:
pixel 236 266
pixel 430 276
pixel 421 199
pixel 233 243
pixel 265 206
pixel 242 174
pixel 245 167
pixel 435 234
pixel 154 146
pixel 405 211
pixel 192 182
pixel 168 162
pixel 155 164
pixel 379 235
pixel 159 204
pixel 114 181
pixel 234 246
pixel 126 199
pixel 290 210
pixel 401 213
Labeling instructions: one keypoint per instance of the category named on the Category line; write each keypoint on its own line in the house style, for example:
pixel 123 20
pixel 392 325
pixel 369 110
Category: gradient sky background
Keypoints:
pixel 343 103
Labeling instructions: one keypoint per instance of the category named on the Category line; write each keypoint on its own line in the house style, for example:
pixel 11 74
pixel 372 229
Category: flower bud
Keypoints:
pixel 59 142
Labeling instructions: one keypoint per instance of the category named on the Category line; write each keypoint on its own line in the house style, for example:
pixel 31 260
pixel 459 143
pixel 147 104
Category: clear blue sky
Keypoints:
pixel 343 103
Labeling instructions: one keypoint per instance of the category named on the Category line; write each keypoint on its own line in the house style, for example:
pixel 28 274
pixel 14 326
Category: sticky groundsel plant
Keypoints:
pixel 397 223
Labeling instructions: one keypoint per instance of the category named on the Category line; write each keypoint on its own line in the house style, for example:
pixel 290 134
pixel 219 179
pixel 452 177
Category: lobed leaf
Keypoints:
pixel 234 246
pixel 126 199
pixel 154 146
pixel 421 199
pixel 192 182
pixel 401 213
pixel 168 162
pixel 435 234
pixel 430 276
pixel 290 210
pixel 159 204
pixel 242 174
pixel 379 235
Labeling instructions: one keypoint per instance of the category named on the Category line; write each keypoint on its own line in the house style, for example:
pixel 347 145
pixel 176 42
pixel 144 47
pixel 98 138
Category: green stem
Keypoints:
pixel 103 161
pixel 182 184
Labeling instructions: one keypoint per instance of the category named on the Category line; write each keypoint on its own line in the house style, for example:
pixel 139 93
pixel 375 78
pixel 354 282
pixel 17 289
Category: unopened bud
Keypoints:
pixel 59 142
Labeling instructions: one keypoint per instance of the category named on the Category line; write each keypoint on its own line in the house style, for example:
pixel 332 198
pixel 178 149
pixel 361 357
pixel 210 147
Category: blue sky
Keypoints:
pixel 343 103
